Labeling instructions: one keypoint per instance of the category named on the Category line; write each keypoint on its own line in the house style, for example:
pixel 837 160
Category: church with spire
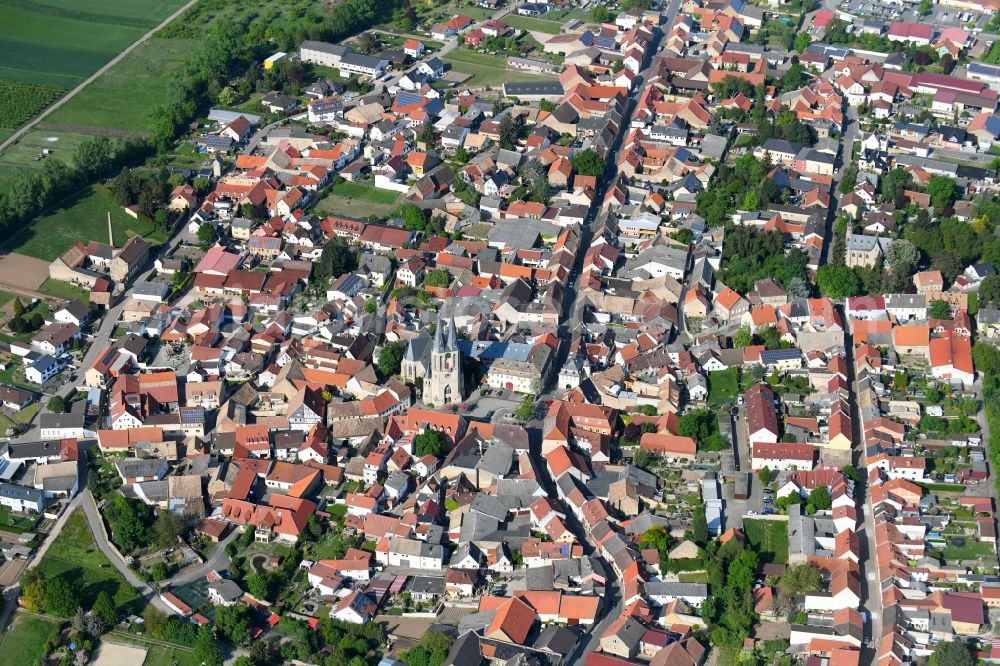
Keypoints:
pixel 438 362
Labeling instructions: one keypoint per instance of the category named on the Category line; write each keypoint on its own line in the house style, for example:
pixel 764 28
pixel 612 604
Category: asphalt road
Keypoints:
pixel 871 590
pixel 613 603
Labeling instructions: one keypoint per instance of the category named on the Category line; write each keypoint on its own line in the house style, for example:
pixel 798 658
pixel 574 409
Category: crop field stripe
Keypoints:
pixel 39 72
pixel 76 15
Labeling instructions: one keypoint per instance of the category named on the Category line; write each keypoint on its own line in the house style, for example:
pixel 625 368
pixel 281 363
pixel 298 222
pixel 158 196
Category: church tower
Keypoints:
pixel 444 382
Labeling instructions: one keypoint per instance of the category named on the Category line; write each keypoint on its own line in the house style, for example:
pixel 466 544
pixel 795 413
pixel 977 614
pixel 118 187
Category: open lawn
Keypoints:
pixel 75 556
pixel 18 523
pixel 64 290
pixel 10 523
pixel 164 656
pixel 13 374
pixel 970 550
pixel 486 70
pixel 61 42
pixel 769 538
pixel 693 576
pixel 943 487
pixel 126 96
pixel 723 385
pixel 22 645
pixel 726 656
pixel 357 200
pixel 533 24
pixel 84 218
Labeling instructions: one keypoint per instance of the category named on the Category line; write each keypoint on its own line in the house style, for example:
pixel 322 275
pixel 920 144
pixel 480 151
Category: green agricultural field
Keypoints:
pixel 23 643
pixel 357 200
pixel 22 154
pixel 533 24
pixel 769 538
pixel 139 13
pixel 486 70
pixel 84 218
pixel 126 96
pixel 59 43
pixel 19 101
pixel 75 555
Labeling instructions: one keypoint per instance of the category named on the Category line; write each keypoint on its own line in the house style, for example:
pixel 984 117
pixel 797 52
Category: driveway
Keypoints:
pixel 218 560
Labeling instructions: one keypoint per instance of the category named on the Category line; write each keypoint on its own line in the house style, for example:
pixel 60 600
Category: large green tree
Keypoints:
pixel 207 235
pixel 989 291
pixel 939 309
pixel 234 623
pixel 105 609
pixel 800 579
pixel 429 442
pixel 893 184
pixel 509 132
pixel 206 649
pixel 390 357
pixel 837 281
pixel 61 598
pixel 942 191
pixel 336 259
pixel 588 163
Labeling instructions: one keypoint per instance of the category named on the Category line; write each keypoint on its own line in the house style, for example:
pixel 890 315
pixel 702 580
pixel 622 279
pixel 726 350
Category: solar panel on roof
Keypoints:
pixel 984 68
pixel 407 98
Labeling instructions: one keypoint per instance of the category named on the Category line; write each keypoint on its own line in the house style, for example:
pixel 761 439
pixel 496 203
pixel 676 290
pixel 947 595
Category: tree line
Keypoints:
pixel 32 191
